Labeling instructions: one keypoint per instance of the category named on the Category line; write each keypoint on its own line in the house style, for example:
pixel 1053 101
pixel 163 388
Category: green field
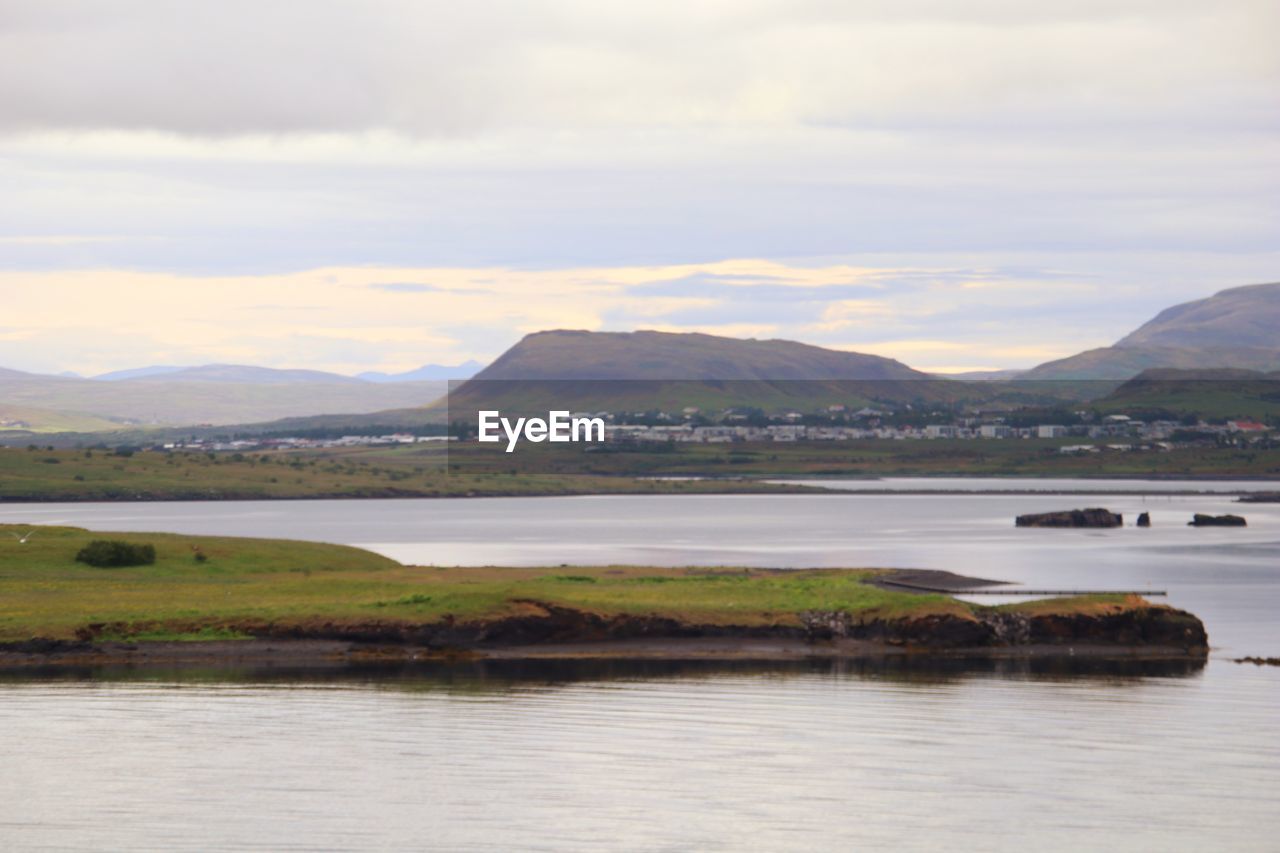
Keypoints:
pixel 94 475
pixel 471 470
pixel 871 458
pixel 246 582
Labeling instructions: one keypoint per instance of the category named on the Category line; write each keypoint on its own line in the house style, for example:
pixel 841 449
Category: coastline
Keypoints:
pixel 339 654
pixel 204 599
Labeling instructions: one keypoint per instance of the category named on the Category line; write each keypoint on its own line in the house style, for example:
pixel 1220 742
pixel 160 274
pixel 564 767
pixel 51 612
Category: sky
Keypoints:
pixel 378 185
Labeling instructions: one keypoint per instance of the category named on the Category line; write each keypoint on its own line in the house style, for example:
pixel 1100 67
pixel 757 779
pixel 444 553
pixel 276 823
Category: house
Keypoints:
pixel 1246 426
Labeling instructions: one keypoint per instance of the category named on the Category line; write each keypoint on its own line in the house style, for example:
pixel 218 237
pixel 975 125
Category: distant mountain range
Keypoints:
pixel 1235 328
pixel 643 370
pixel 428 372
pixel 240 373
pixel 212 394
pixel 273 376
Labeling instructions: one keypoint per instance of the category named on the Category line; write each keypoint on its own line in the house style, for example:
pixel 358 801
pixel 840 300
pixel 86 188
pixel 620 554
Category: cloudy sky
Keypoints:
pixel 378 185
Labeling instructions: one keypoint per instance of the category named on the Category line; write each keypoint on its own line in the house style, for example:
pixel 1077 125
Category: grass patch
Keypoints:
pixel 244 582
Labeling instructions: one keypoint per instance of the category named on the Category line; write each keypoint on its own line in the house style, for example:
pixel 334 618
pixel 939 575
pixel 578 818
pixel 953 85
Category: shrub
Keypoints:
pixel 112 553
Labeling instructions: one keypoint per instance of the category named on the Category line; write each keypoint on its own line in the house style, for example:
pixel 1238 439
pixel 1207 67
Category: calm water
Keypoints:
pixel 665 756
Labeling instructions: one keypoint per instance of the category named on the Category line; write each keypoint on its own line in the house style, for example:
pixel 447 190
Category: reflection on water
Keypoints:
pixel 648 755
pixel 501 674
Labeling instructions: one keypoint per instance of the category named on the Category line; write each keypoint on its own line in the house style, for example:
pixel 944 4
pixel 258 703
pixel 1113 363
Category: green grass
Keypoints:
pixel 251 582
pixel 97 475
pixel 472 470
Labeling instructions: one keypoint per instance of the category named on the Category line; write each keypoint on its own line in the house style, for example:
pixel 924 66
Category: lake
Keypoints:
pixel 674 756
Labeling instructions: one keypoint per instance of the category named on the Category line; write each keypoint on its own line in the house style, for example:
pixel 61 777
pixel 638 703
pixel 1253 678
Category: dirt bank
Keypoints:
pixel 541 629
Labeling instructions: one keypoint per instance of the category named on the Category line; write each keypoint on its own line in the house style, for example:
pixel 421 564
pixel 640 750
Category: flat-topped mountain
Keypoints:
pixel 1235 328
pixel 644 355
pixel 646 371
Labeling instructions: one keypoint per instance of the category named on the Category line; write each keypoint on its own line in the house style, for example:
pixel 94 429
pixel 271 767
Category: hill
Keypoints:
pixel 1211 394
pixel 30 419
pixel 1235 328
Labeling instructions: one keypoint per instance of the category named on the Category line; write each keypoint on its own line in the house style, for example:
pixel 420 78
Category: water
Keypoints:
pixel 1040 484
pixel 653 755
pixel 1230 577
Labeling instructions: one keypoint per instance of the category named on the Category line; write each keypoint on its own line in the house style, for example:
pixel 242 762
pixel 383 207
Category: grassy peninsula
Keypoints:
pixel 218 589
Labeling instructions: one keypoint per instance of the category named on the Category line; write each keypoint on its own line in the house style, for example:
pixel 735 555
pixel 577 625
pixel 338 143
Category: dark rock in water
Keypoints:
pixel 1260 498
pixel 1201 520
pixel 1094 517
pixel 1144 520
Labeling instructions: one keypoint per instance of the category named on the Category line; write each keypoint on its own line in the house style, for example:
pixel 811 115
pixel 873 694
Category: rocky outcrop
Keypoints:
pixel 1144 625
pixel 1132 624
pixel 1093 517
pixel 1144 519
pixel 1202 520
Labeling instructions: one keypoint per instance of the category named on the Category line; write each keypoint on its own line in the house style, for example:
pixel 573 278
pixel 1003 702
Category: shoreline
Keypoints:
pixel 340 654
pixel 760 488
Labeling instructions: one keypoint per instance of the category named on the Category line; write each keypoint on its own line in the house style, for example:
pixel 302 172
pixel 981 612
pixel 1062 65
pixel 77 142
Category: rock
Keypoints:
pixel 1144 520
pixel 1094 517
pixel 1201 520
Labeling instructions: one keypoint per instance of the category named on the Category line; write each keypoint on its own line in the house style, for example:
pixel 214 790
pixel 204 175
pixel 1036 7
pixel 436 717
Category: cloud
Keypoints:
pixel 93 321
pixel 434 179
pixel 442 69
pixel 405 287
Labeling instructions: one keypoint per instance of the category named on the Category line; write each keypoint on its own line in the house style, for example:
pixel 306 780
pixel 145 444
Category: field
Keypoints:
pixel 97 475
pixel 214 588
pixel 469 470
pixel 872 458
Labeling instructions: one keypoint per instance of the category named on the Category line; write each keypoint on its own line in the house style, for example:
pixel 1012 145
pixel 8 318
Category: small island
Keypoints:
pixel 215 599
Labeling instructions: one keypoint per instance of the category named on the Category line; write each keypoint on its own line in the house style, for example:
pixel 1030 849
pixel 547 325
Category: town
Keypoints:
pixel 1113 432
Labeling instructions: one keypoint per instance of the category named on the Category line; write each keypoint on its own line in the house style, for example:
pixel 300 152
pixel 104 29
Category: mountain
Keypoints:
pixel 427 372
pixel 993 375
pixel 138 372
pixel 566 355
pixel 645 370
pixel 1235 328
